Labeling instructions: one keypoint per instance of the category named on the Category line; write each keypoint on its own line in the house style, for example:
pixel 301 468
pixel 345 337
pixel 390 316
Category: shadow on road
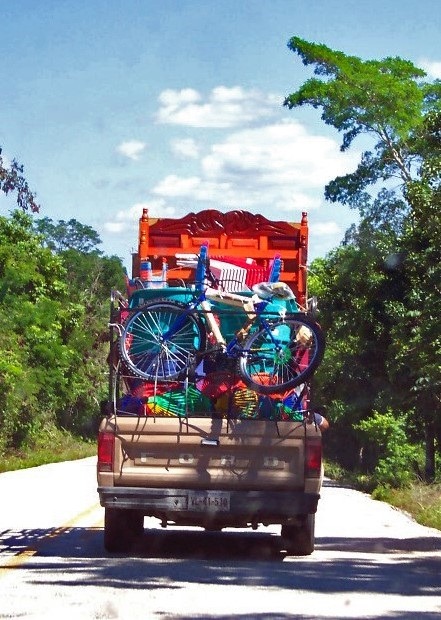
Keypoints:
pixel 381 545
pixel 75 557
pixel 197 544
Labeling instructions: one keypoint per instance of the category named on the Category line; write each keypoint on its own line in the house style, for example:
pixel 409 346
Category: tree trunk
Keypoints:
pixel 430 468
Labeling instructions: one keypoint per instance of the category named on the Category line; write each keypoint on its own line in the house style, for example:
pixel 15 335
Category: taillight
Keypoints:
pixel 106 443
pixel 313 458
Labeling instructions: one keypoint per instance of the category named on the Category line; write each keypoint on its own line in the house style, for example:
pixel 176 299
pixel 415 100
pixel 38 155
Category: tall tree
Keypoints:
pixel 396 188
pixel 70 235
pixel 90 278
pixel 384 99
pixel 420 353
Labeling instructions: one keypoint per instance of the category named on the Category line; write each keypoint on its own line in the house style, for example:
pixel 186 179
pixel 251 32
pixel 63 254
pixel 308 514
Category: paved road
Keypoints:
pixel 371 561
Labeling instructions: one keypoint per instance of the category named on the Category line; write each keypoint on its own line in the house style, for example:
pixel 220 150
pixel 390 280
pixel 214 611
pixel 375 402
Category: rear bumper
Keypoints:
pixel 241 506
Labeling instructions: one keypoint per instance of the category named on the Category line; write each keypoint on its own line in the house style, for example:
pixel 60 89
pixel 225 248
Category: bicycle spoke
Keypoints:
pixel 282 356
pixel 159 341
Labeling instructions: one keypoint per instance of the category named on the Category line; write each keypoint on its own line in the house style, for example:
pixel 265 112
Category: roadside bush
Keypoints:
pixel 422 501
pixel 395 459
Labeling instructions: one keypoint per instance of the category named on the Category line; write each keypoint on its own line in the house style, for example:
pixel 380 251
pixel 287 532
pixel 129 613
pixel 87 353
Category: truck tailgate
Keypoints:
pixel 210 454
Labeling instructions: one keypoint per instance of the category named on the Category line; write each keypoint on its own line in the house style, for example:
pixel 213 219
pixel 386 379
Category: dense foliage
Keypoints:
pixel 380 291
pixel 53 312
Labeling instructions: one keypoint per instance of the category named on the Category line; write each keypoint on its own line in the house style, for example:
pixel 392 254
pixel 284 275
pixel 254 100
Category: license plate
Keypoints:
pixel 202 501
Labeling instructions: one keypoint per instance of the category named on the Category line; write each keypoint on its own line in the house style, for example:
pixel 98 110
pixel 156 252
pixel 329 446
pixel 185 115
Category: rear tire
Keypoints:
pixel 121 528
pixel 299 539
pixel 136 522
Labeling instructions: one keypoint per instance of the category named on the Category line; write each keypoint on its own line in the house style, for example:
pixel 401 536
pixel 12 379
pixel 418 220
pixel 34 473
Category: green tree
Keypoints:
pixel 90 278
pixel 384 99
pixel 418 357
pixel 53 319
pixel 37 321
pixel 354 287
pixel 396 459
pixel 91 275
pixel 395 187
pixel 71 235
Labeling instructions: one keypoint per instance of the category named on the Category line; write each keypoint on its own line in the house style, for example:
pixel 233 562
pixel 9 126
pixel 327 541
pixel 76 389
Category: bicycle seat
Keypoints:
pixel 268 290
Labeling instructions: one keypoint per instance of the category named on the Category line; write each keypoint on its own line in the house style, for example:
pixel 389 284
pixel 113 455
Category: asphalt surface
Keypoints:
pixel 371 561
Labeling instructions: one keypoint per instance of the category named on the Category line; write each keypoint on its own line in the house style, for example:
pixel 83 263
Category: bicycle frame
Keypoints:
pixel 252 308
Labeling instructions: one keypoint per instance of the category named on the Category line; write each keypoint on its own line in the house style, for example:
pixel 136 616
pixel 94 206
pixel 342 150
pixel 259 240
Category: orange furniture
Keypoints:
pixel 238 237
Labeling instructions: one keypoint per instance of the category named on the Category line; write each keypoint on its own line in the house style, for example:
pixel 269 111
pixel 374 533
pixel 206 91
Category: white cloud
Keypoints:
pixel 325 229
pixel 279 166
pixel 282 153
pixel 224 107
pixel 432 68
pixel 115 227
pixel 175 98
pixel 194 188
pixel 127 220
pixel 278 169
pixel 131 149
pixel 172 185
pixel 186 148
pixel 294 202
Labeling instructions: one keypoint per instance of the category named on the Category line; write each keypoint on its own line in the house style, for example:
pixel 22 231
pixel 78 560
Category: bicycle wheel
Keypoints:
pixel 160 340
pixel 282 356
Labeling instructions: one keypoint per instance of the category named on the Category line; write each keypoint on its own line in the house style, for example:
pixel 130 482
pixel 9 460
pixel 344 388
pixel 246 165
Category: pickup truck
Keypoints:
pixel 204 448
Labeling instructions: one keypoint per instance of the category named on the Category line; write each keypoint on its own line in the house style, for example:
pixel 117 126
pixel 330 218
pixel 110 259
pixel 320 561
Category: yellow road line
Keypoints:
pixel 17 560
pixel 20 558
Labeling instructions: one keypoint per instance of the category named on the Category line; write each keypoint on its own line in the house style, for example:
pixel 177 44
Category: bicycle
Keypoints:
pixel 273 351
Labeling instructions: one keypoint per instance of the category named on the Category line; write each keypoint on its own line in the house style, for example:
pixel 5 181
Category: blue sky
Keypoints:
pixel 176 105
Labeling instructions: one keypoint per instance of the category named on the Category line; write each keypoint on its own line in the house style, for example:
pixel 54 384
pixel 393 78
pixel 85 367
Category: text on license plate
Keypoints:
pixel 208 500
